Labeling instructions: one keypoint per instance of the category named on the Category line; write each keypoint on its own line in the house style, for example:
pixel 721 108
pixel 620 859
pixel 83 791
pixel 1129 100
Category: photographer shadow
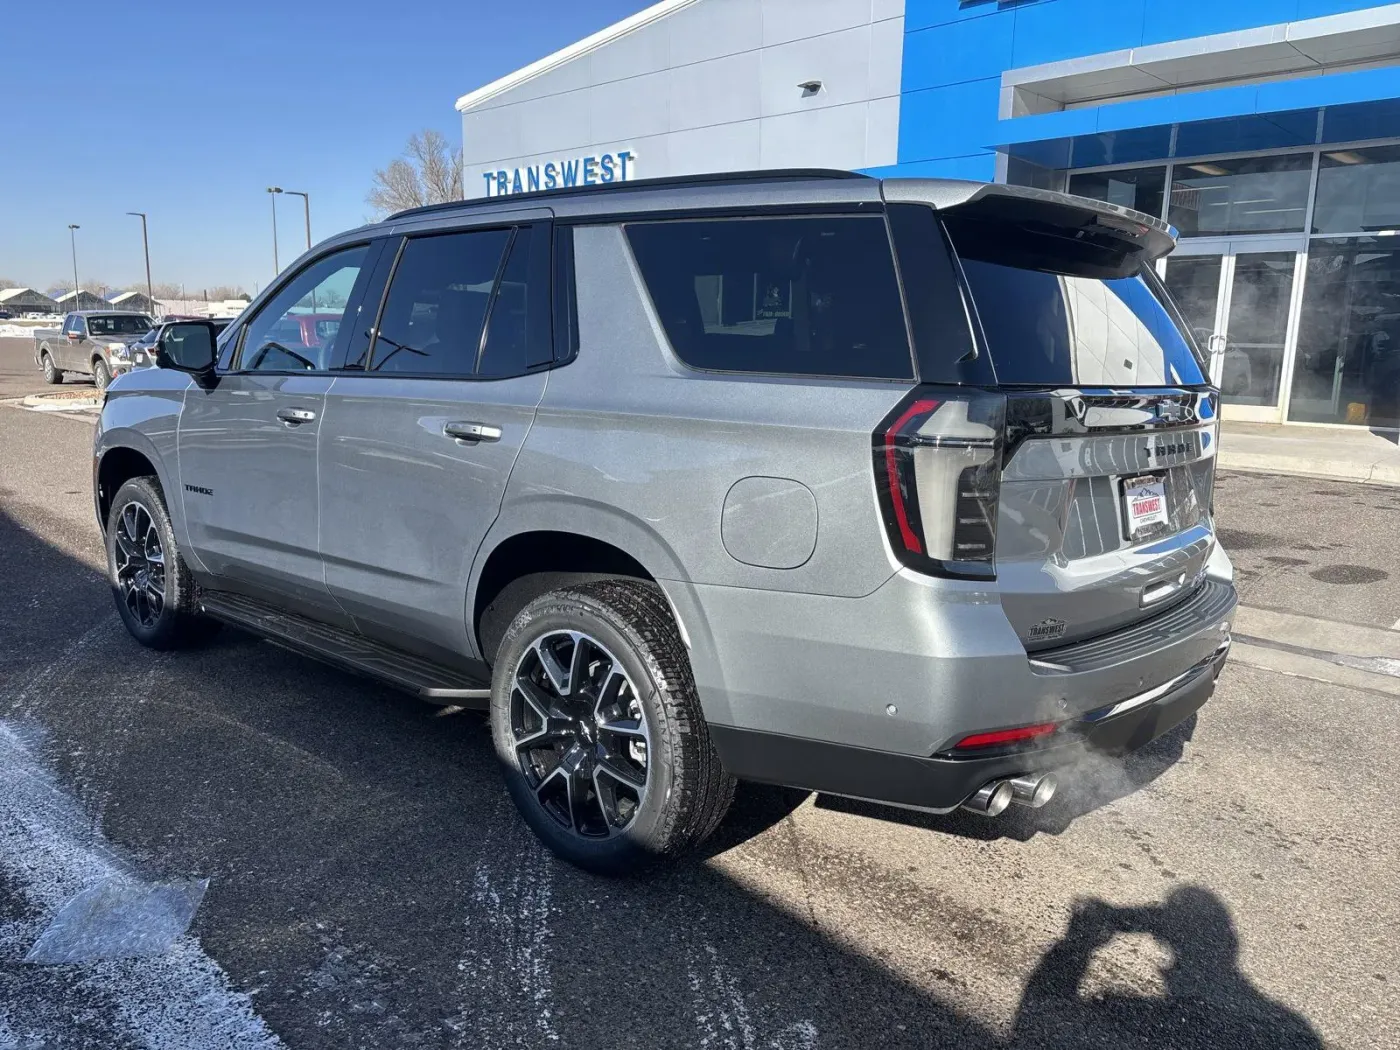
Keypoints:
pixel 1207 1000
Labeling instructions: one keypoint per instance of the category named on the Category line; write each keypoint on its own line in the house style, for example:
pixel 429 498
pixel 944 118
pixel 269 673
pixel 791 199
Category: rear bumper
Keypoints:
pixel 943 783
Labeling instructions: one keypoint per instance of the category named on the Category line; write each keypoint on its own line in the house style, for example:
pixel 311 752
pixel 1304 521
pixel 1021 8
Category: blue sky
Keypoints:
pixel 189 111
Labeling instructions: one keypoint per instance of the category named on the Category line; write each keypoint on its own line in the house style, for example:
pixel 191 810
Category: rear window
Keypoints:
pixel 1048 326
pixel 787 296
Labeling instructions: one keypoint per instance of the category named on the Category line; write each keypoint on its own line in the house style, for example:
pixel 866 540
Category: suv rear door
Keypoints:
pixel 1110 432
pixel 424 423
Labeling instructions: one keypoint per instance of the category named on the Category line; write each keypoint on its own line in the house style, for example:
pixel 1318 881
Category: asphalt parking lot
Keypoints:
pixel 369 884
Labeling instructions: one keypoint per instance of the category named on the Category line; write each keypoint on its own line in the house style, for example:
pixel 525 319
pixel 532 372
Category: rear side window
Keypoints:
pixel 438 298
pixel 518 326
pixel 788 296
pixel 1052 326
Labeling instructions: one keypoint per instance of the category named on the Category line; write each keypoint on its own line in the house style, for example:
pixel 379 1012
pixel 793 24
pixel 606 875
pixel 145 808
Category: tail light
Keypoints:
pixel 938 474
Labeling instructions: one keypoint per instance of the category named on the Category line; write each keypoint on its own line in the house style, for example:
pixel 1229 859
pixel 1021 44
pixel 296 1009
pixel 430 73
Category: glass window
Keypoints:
pixel 1138 188
pixel 118 324
pixel 1347 369
pixel 296 330
pixel 437 303
pixel 1048 329
pixel 1358 189
pixel 1248 195
pixel 517 335
pixel 791 296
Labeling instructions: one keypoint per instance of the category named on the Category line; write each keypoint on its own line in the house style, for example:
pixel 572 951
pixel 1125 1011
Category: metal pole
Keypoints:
pixel 73 242
pixel 146 247
pixel 276 266
pixel 306 202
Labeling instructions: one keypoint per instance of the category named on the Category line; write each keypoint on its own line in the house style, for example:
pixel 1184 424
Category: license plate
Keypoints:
pixel 1146 501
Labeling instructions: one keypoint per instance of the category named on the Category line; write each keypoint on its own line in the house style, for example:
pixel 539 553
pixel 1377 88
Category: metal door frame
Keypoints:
pixel 1228 248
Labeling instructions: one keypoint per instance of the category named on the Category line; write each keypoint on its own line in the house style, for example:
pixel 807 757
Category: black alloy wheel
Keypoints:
pixel 140 565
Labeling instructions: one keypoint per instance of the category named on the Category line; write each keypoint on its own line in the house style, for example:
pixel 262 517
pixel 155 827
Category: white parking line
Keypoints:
pixel 179 1000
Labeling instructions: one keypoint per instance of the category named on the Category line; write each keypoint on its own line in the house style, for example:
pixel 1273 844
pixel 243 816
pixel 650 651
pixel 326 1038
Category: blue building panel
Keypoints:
pixel 957 50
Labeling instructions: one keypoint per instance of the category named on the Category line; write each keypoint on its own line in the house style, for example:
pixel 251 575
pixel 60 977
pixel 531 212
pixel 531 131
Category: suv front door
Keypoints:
pixel 248 443
pixel 421 433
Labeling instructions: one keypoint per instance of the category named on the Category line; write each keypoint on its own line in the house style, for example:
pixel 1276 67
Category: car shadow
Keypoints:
pixel 1089 785
pixel 372 886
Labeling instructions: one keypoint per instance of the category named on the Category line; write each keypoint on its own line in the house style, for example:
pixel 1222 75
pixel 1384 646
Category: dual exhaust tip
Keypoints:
pixel 1032 790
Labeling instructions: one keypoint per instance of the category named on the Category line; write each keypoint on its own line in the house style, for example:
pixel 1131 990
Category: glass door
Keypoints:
pixel 1240 299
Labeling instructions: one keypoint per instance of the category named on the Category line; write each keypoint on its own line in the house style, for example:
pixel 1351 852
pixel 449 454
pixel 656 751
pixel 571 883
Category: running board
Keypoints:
pixel 351 652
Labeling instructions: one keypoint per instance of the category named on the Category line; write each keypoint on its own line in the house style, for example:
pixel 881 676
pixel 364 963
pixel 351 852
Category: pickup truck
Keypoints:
pixel 91 342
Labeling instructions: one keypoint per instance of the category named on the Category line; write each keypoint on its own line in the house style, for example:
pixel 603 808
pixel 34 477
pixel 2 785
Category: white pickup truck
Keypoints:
pixel 91 342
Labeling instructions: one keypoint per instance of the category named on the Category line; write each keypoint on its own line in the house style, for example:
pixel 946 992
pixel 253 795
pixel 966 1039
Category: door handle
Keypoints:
pixel 295 417
pixel 473 432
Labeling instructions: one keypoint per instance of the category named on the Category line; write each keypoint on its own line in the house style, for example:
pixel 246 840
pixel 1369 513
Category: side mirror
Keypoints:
pixel 189 346
pixel 73 336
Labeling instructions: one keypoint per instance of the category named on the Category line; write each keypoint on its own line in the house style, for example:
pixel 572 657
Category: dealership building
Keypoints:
pixel 1267 132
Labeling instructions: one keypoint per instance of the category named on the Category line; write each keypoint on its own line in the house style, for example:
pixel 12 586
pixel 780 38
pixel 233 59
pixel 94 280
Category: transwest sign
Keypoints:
pixel 590 170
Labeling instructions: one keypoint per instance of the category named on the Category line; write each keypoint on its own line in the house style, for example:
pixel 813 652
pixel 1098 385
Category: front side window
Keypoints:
pixel 787 296
pixel 437 304
pixel 296 330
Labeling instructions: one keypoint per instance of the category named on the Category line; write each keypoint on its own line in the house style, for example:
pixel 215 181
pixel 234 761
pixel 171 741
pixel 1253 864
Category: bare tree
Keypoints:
pixel 429 172
pixel 228 291
pixel 5 282
pixel 167 291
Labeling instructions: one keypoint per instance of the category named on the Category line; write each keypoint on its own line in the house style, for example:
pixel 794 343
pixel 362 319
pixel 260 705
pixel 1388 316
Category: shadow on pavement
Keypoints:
pixel 1204 989
pixel 371 885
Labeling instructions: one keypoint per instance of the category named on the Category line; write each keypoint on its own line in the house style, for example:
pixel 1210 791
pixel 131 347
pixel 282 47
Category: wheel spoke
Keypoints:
pixel 155 600
pixel 623 773
pixel 578 663
pixel 580 788
pixel 555 671
pixel 125 546
pixel 633 727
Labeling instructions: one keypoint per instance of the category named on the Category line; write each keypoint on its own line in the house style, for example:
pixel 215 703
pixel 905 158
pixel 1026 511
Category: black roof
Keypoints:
pixel 670 181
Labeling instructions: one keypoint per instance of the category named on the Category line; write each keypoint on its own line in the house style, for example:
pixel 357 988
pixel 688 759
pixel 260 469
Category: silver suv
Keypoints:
pixel 899 490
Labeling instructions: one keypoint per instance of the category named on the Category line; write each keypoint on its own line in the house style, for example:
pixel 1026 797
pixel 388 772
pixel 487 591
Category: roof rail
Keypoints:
pixel 708 179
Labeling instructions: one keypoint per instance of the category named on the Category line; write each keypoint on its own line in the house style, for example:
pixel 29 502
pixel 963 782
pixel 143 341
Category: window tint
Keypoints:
pixel 517 335
pixel 1358 189
pixel 796 296
pixel 296 329
pixel 1048 329
pixel 437 303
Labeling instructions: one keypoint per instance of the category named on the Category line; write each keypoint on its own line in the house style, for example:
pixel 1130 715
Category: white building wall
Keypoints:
pixel 709 85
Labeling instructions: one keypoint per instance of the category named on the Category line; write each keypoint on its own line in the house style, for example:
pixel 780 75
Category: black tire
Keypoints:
pixel 101 375
pixel 687 791
pixel 51 373
pixel 138 516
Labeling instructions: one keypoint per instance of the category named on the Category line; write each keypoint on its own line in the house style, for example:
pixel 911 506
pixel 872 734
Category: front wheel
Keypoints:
pixel 599 731
pixel 51 374
pixel 101 375
pixel 153 588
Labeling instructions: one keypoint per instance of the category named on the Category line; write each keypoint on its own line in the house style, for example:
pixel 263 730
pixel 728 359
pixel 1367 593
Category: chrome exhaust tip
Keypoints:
pixel 991 799
pixel 1034 789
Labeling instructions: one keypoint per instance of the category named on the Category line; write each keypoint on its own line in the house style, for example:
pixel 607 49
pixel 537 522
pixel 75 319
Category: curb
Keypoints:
pixel 49 403
pixel 1331 469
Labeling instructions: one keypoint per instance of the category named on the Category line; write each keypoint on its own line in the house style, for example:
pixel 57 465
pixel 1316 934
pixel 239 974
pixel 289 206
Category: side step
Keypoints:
pixel 352 652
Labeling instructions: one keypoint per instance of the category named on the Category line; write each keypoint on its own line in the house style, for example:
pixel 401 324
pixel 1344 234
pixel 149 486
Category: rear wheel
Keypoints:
pixel 101 375
pixel 51 373
pixel 599 730
pixel 152 586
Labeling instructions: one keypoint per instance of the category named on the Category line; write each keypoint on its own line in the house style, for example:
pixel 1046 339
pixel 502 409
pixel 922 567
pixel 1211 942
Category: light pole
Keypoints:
pixel 146 247
pixel 305 200
pixel 273 191
pixel 73 242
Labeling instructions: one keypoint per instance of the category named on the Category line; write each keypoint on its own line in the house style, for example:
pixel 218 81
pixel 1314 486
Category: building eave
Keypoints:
pixel 564 55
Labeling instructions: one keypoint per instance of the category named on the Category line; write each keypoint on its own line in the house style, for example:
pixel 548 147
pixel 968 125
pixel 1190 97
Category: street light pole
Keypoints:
pixel 73 242
pixel 306 201
pixel 276 266
pixel 146 247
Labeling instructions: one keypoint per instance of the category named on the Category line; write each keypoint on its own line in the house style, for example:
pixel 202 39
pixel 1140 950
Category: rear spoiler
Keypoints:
pixel 1043 229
